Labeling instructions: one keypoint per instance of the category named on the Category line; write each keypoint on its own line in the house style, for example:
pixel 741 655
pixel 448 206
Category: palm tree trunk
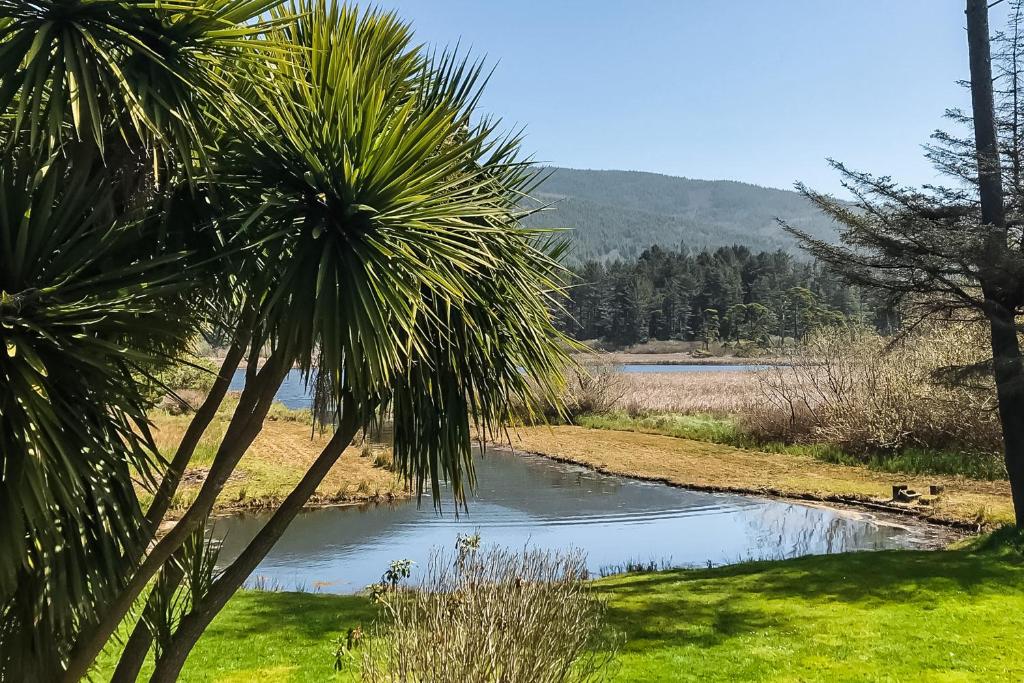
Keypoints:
pixel 137 647
pixel 200 421
pixel 245 426
pixel 133 656
pixel 192 626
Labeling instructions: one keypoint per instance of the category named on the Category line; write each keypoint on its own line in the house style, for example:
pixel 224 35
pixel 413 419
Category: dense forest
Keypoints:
pixel 617 214
pixel 726 294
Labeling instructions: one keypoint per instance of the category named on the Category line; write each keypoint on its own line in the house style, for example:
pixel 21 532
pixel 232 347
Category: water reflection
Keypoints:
pixel 532 500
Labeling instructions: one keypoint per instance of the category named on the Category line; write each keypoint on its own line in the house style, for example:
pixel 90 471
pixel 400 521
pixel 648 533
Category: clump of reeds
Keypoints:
pixel 689 393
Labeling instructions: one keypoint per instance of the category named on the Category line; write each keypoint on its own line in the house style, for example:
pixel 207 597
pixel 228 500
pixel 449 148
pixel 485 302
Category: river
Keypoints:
pixel 530 500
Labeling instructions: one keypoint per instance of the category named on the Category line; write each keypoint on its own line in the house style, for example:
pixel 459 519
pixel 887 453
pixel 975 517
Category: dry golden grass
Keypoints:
pixel 712 466
pixel 716 392
pixel 275 463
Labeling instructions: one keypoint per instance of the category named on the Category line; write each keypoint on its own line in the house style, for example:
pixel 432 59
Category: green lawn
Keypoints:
pixel 954 615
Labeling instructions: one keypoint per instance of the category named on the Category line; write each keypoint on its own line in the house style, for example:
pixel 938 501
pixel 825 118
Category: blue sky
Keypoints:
pixel 755 90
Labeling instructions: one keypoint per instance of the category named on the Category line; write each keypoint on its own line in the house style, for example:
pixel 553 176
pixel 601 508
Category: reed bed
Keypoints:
pixel 719 393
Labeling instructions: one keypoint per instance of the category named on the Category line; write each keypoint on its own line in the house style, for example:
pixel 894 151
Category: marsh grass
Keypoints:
pixel 851 398
pixel 691 393
pixel 698 427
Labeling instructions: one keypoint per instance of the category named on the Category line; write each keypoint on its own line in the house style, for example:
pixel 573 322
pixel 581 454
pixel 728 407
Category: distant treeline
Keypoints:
pixel 726 294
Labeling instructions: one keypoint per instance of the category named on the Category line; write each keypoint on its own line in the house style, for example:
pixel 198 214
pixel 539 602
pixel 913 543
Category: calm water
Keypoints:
pixel 294 394
pixel 531 500
pixel 644 367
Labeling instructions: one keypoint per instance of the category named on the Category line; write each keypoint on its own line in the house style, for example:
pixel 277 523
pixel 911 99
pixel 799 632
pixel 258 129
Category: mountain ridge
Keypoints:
pixel 617 214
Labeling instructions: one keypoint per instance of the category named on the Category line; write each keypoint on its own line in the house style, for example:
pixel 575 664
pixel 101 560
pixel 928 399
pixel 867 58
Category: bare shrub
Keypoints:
pixel 856 389
pixel 489 615
pixel 593 389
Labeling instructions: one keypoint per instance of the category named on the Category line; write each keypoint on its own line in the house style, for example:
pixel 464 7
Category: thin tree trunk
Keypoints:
pixel 133 656
pixel 245 426
pixel 990 183
pixel 192 626
pixel 194 433
pixel 998 287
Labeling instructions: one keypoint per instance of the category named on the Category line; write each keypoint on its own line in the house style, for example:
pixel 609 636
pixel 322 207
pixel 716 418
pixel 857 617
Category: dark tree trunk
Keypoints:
pixel 133 656
pixel 135 650
pixel 990 182
pixel 1009 375
pixel 998 286
pixel 192 625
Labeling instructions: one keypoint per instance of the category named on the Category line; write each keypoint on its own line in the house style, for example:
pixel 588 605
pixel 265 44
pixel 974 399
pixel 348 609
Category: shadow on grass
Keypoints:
pixel 707 607
pixel 303 616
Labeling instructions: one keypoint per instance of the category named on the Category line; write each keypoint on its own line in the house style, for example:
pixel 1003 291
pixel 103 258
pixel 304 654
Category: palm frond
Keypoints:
pixel 400 273
pixel 84 303
pixel 148 73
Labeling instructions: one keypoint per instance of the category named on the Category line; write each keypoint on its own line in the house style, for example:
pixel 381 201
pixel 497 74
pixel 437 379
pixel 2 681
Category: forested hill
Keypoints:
pixel 618 214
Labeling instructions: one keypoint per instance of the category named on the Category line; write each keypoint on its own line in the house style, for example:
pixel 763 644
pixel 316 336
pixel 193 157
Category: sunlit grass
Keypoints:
pixel 273 465
pixel 895 615
pixel 729 431
pixel 701 427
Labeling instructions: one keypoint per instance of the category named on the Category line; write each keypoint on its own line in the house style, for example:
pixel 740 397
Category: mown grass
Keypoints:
pixel 952 615
pixel 726 431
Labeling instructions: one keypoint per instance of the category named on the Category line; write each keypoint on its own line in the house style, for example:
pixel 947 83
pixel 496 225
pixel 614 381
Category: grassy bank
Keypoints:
pixel 275 463
pixel 715 466
pixel 725 430
pixel 949 615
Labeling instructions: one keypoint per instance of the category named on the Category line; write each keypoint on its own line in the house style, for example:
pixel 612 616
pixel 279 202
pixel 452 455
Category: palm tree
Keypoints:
pixel 100 105
pixel 337 203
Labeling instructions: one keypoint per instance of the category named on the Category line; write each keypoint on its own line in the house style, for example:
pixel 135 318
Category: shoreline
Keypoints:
pixel 937 532
pixel 861 506
pixel 624 358
pixel 967 506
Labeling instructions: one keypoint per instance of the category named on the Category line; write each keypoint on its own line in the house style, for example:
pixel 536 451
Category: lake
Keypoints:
pixel 294 394
pixel 530 500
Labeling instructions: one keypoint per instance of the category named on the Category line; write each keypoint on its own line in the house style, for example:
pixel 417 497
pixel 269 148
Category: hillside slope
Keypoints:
pixel 620 213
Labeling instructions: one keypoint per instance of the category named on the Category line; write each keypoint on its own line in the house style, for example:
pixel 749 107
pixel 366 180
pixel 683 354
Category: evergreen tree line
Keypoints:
pixel 727 294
